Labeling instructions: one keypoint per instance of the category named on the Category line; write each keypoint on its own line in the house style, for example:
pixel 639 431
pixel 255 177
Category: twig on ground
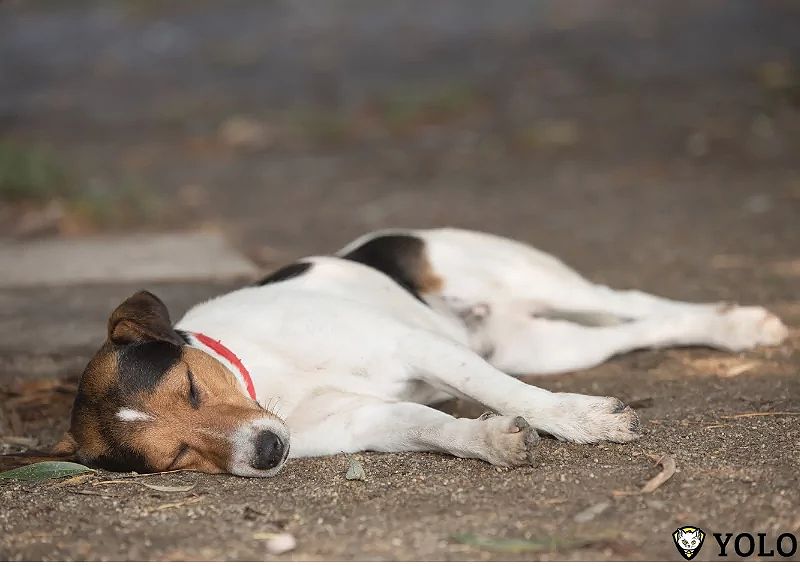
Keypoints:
pixel 164 488
pixel 739 369
pixel 106 482
pixel 623 492
pixel 137 475
pixel 550 502
pixel 668 468
pixel 764 414
pixel 97 493
pixel 720 425
pixel 168 488
pixel 181 503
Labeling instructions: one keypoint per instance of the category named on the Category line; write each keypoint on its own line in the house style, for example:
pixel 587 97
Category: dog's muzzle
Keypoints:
pixel 259 448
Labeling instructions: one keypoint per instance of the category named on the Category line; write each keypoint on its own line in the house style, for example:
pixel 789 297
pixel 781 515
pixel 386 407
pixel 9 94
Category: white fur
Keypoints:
pixel 132 415
pixel 353 358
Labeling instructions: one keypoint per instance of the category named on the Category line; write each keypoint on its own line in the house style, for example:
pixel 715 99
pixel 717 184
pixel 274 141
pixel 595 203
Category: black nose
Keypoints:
pixel 269 450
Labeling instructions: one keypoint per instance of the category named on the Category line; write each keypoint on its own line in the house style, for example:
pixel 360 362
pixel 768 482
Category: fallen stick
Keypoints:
pixel 181 503
pixel 768 414
pixel 668 468
pixel 138 475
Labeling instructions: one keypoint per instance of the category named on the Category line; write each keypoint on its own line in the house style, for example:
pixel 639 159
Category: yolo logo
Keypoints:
pixel 744 544
pixel 688 541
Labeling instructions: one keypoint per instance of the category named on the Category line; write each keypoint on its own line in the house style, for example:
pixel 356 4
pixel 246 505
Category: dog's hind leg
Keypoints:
pixel 523 288
pixel 364 423
pixel 522 343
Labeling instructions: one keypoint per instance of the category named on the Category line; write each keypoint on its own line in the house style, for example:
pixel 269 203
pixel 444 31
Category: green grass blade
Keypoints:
pixel 518 544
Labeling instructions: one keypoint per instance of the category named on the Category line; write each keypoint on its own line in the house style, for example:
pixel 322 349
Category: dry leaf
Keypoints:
pixel 591 512
pixel 355 472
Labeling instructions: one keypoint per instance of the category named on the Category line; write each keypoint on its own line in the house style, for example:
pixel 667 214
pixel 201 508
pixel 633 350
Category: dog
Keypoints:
pixel 347 353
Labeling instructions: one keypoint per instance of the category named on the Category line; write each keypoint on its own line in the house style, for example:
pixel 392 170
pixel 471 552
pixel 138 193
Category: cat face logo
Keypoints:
pixel 688 540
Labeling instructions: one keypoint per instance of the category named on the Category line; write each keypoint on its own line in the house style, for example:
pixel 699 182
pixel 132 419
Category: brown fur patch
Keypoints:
pixel 101 372
pixel 429 281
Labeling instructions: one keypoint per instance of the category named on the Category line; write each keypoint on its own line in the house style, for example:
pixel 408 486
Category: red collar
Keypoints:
pixel 231 358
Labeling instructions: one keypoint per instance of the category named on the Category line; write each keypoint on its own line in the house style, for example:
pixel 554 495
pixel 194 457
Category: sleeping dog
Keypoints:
pixel 346 353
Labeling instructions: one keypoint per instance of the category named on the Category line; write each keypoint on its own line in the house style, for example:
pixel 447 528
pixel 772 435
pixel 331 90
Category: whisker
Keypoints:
pixel 276 410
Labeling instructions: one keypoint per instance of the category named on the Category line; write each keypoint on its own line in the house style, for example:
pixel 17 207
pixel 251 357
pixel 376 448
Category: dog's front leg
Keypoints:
pixel 567 416
pixel 364 423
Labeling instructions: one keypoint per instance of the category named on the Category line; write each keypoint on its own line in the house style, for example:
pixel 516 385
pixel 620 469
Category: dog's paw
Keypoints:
pixel 586 418
pixel 742 328
pixel 510 440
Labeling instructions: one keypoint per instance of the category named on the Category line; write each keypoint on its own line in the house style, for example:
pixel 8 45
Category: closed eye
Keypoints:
pixel 194 394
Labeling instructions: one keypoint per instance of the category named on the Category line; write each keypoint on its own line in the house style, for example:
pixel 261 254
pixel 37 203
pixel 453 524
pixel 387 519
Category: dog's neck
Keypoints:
pixel 222 354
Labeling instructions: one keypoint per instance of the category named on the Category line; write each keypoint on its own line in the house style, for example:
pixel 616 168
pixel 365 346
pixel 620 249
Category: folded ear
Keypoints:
pixel 141 318
pixel 66 450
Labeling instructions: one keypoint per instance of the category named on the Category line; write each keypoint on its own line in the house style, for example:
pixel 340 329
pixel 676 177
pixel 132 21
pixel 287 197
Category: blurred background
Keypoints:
pixel 611 133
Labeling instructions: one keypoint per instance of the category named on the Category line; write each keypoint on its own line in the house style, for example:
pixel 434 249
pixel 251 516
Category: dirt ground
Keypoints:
pixel 651 145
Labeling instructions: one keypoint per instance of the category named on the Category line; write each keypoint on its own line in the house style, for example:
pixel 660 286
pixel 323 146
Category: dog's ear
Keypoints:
pixel 141 318
pixel 66 450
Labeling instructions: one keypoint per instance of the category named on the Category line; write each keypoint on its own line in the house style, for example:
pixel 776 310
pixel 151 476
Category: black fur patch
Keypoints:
pixel 398 256
pixel 143 365
pixel 122 459
pixel 184 336
pixel 285 273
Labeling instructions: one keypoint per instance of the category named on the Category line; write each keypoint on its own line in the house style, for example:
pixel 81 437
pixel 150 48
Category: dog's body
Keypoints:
pixel 346 353
pixel 349 355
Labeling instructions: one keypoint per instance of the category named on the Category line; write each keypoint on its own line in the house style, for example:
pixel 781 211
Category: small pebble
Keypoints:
pixel 277 543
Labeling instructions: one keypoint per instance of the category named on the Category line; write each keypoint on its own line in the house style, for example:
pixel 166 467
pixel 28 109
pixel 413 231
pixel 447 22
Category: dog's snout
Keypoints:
pixel 269 450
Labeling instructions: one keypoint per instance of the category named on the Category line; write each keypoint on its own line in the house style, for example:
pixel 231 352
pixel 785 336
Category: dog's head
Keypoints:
pixel 149 402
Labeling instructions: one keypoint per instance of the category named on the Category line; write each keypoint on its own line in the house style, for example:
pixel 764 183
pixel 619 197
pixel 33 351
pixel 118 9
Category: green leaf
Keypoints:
pixel 45 471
